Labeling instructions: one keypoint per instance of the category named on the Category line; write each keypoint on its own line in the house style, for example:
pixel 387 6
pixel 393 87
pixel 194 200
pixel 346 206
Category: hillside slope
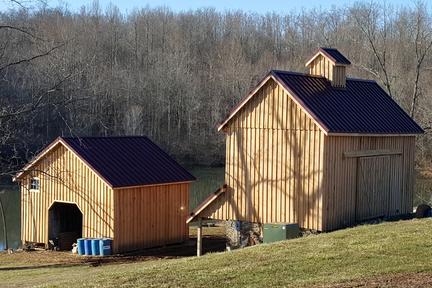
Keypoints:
pixel 395 253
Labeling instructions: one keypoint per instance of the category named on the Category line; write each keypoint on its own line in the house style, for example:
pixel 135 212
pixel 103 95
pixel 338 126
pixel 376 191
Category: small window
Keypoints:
pixel 34 184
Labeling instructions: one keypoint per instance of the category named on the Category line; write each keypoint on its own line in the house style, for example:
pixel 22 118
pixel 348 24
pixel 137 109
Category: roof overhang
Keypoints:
pixel 323 53
pixel 200 210
pixel 149 185
pixel 287 90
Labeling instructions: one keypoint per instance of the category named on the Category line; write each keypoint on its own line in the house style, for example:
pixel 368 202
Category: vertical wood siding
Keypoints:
pixel 65 178
pixel 150 216
pixel 274 160
pixel 323 67
pixel 280 167
pixel 341 178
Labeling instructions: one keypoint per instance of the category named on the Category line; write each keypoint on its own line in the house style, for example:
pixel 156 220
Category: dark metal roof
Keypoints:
pixel 335 55
pixel 362 107
pixel 128 161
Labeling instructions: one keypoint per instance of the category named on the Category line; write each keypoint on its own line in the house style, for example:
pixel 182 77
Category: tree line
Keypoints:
pixel 173 76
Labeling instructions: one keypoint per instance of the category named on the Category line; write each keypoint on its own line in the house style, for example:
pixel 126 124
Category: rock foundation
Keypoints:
pixel 241 234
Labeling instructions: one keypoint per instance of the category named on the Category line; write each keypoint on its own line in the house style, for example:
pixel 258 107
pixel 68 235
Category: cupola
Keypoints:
pixel 331 64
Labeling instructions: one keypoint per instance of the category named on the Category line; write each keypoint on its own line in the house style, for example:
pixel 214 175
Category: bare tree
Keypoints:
pixel 422 45
pixel 374 22
pixel 174 76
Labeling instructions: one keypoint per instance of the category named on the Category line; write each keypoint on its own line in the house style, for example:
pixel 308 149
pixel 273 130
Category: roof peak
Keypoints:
pixel 335 55
pixel 332 54
pixel 318 76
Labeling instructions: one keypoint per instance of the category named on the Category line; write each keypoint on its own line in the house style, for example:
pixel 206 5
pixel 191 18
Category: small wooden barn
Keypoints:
pixel 318 149
pixel 125 188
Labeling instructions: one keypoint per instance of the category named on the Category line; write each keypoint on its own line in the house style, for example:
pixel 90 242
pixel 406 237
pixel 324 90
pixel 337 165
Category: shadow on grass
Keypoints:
pixel 173 251
pixel 50 266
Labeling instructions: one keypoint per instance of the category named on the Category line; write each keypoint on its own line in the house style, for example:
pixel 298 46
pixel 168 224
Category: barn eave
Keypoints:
pixel 48 149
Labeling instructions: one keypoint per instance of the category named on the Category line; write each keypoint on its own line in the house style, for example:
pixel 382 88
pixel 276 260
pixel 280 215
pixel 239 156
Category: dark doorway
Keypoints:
pixel 64 225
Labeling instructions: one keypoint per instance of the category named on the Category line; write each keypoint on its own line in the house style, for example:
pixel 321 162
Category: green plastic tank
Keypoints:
pixel 280 231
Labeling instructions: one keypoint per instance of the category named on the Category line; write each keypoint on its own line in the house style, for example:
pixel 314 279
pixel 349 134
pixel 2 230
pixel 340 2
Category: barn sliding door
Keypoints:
pixel 373 187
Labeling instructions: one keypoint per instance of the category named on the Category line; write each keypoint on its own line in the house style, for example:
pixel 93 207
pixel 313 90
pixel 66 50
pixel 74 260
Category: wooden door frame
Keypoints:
pixel 387 208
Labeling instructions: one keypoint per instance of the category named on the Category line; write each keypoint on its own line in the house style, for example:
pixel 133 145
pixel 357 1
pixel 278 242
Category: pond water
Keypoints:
pixel 208 180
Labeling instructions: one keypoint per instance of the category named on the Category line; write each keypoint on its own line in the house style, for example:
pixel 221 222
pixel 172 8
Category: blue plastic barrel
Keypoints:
pixel 87 246
pixel 105 246
pixel 80 244
pixel 95 246
pixel 237 225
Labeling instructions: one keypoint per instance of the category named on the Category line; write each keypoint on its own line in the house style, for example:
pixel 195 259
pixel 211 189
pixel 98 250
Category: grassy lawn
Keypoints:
pixel 365 252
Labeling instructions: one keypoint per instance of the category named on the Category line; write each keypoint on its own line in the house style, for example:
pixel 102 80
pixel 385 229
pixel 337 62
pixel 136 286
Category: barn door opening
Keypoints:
pixel 373 187
pixel 64 224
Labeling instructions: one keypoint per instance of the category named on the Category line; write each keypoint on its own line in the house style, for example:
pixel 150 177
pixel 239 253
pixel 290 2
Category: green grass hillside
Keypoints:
pixel 395 250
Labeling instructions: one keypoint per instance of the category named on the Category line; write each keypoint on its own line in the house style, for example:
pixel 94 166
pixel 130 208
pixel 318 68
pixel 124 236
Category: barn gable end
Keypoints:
pixel 272 148
pixel 64 178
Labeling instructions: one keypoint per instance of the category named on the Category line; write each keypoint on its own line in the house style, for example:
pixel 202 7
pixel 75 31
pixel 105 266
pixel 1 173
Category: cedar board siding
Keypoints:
pixel 149 216
pixel 274 161
pixel 65 178
pixel 341 177
pixel 323 67
pixel 280 167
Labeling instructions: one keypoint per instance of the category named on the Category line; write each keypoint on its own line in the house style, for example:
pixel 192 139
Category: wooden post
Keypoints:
pixel 199 237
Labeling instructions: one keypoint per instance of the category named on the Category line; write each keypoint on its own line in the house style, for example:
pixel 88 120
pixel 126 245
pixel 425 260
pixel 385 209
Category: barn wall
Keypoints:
pixel 340 177
pixel 150 216
pixel 64 177
pixel 274 160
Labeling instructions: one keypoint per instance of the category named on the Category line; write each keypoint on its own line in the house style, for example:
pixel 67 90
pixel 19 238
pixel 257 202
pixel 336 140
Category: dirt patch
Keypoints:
pixel 406 280
pixel 40 259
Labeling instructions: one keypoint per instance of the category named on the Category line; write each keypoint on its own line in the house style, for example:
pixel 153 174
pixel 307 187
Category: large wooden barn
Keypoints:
pixel 125 188
pixel 318 149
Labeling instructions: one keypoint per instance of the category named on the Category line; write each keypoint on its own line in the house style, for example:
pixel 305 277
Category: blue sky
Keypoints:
pixel 259 6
